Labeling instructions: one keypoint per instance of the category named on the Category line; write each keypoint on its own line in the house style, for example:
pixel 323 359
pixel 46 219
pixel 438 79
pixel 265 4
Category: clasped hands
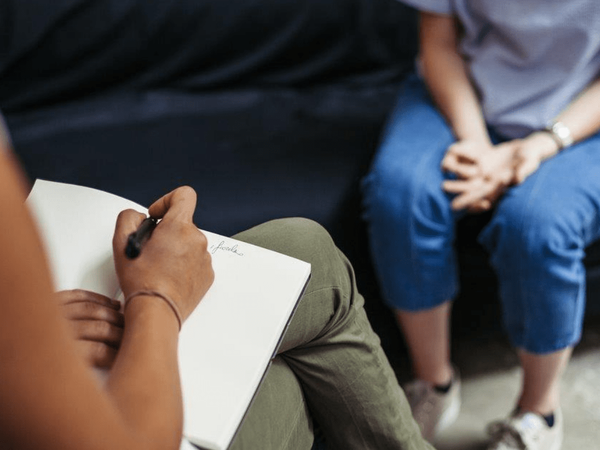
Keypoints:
pixel 484 171
pixel 175 262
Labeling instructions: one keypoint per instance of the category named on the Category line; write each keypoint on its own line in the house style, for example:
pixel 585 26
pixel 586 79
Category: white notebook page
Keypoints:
pixel 228 342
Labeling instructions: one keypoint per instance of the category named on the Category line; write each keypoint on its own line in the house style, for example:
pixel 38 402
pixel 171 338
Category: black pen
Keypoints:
pixel 139 237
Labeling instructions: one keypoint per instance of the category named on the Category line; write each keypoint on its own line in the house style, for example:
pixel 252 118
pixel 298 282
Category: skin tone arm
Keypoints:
pixel 582 117
pixel 50 397
pixel 446 78
pixel 483 170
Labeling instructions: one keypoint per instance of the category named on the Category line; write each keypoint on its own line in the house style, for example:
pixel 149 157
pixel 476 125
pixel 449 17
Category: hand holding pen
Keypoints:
pixel 173 262
pixel 138 238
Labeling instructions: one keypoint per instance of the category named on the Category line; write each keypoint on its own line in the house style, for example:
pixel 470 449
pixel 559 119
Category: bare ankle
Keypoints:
pixel 439 376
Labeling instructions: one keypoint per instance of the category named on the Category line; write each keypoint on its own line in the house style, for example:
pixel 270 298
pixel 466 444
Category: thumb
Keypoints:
pixel 128 221
pixel 179 203
pixel 524 169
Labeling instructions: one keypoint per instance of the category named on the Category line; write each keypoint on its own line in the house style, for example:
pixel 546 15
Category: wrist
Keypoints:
pixel 479 141
pixel 150 309
pixel 561 134
pixel 545 144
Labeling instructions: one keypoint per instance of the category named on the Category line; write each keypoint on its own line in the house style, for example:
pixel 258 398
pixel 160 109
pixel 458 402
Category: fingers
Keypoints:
pixel 459 186
pixel 469 193
pixel 480 206
pixel 93 317
pixel 462 170
pixel 98 331
pixel 178 204
pixel 175 261
pixel 464 201
pixel 80 311
pixel 81 295
pixel 465 151
pixel 128 221
pixel 524 169
pixel 463 159
pixel 98 354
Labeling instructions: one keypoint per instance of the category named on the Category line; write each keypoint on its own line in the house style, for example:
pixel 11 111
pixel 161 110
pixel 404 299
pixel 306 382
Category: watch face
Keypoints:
pixel 562 132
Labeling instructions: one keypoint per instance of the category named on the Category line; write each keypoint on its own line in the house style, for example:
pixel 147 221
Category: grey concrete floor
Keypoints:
pixel 491 378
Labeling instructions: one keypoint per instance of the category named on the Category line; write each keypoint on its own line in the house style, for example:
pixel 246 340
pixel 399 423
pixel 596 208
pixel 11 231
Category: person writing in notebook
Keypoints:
pixel 331 367
pixel 504 117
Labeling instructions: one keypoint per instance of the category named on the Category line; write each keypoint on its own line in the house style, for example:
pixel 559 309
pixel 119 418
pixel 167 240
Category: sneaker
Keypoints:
pixel 526 431
pixel 433 411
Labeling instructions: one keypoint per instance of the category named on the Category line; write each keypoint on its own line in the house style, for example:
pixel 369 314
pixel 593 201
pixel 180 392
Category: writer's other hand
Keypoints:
pixel 96 323
pixel 483 173
pixel 175 261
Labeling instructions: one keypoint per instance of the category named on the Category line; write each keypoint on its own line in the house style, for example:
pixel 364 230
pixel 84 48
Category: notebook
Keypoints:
pixel 228 342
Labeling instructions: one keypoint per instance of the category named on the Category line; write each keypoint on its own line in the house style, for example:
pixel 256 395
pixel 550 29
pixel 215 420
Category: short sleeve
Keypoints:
pixel 435 6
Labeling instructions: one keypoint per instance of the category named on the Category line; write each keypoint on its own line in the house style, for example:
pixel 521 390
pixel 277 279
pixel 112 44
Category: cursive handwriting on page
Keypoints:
pixel 223 246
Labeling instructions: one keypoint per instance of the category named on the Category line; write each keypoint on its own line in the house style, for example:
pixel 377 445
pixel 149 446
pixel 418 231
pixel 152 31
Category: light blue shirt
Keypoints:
pixel 527 59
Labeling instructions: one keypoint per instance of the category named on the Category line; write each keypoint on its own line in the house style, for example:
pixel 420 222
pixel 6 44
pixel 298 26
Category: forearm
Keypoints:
pixel 144 380
pixel 446 76
pixel 53 399
pixel 582 116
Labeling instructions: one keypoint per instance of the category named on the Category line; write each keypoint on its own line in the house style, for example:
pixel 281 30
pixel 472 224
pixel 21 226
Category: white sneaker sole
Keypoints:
pixel 558 444
pixel 449 417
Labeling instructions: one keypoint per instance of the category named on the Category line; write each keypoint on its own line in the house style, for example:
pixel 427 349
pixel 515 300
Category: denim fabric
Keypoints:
pixel 536 237
pixel 411 224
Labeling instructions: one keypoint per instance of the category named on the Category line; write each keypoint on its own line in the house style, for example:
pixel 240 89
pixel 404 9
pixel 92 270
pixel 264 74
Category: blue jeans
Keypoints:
pixel 536 237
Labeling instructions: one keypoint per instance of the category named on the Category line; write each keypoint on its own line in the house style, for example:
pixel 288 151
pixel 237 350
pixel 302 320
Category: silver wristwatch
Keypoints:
pixel 561 134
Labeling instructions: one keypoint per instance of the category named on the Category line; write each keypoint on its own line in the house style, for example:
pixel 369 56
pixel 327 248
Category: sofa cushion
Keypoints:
pixel 65 49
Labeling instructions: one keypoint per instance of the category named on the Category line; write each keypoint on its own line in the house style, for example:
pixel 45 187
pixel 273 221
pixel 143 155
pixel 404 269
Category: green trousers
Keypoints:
pixel 331 368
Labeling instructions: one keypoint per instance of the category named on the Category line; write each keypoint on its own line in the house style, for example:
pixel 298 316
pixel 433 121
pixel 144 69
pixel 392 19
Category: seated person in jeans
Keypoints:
pixel 330 367
pixel 506 117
